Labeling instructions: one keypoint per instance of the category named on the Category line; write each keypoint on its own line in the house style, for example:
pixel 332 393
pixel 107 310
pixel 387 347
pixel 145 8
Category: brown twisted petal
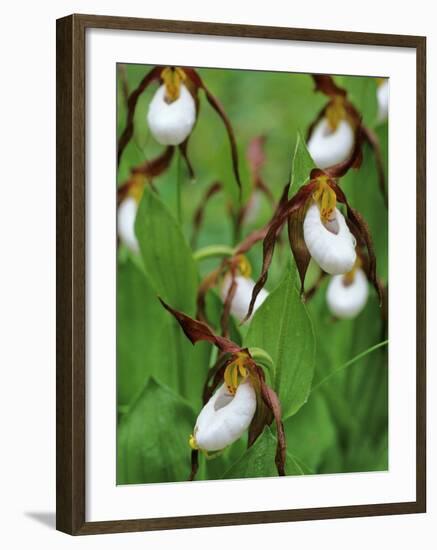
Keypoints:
pixel 194 76
pixel 227 304
pixel 285 209
pixel 354 160
pixel 149 169
pixel 156 166
pixel 153 75
pixel 271 410
pixel 359 228
pixel 197 330
pixel 216 374
pixel 298 247
pixel 325 83
pixel 183 148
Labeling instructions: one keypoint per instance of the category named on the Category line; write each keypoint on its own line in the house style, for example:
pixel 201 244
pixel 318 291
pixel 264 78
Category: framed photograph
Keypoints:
pixel 240 274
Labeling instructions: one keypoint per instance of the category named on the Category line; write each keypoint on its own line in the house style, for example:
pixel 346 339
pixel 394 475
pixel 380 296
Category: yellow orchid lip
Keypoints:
pixel 172 77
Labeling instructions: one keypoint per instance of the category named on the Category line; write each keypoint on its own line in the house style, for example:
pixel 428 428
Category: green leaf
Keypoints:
pixel 150 343
pixel 301 166
pixel 282 327
pixel 152 438
pixel 259 460
pixel 167 257
pixel 311 431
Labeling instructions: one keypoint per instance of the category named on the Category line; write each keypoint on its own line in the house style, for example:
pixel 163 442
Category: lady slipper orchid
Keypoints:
pixel 173 111
pixel 330 145
pixel 225 418
pixel 347 294
pixel 382 95
pixel 317 229
pixel 335 136
pixel 326 234
pixel 236 397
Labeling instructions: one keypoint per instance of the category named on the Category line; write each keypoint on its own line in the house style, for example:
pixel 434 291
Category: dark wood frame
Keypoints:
pixel 70 299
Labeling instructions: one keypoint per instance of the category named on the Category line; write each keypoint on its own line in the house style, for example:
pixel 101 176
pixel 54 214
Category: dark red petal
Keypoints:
pixel 325 84
pixel 354 160
pixel 216 374
pixel 150 169
pixel 183 148
pixel 298 247
pixel 284 210
pixel 227 304
pixel 125 137
pixel 272 402
pixel 361 232
pixel 155 167
pixel 198 330
pixel 194 76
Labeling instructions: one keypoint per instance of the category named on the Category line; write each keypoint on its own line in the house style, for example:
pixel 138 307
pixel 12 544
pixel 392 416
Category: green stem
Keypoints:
pixel 178 187
pixel 213 251
pixel 349 363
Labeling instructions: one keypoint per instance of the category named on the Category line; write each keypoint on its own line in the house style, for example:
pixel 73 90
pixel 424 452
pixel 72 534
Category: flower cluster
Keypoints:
pixel 322 226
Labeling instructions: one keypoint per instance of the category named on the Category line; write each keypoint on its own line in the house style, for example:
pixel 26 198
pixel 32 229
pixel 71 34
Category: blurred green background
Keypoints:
pixel 343 426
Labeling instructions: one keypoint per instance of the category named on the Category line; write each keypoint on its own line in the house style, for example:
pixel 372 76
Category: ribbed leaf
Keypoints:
pixel 152 442
pixel 282 327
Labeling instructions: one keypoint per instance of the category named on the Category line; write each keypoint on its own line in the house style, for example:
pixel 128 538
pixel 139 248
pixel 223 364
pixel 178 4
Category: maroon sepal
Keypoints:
pixel 153 75
pixel 150 169
pixel 361 232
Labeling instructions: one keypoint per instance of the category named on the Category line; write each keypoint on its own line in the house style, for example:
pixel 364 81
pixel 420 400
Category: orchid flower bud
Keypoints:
pixel 329 146
pixel 171 122
pixel 382 94
pixel 225 418
pixel 329 242
pixel 243 294
pixel 347 294
pixel 126 215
